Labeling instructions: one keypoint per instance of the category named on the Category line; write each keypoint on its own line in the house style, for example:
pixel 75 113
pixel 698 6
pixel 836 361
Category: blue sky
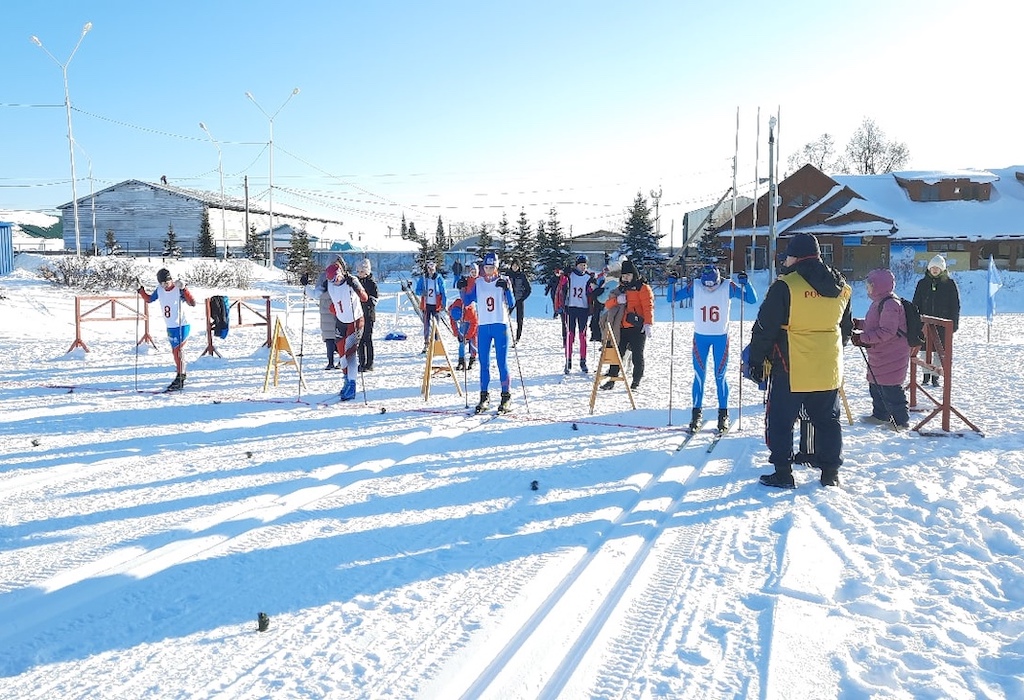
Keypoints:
pixel 468 110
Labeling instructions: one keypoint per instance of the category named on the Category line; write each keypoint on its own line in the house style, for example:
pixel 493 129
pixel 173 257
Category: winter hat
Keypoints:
pixel 163 275
pixel 628 268
pixel 472 269
pixel 581 259
pixel 363 268
pixel 803 245
pixel 491 259
pixel 455 310
pixel 710 277
pixel 938 261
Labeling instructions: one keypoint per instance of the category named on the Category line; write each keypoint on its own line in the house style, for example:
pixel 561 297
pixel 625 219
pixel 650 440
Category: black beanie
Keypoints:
pixel 627 268
pixel 803 245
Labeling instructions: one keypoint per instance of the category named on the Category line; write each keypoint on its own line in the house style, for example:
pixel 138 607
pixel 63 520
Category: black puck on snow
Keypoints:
pixel 574 427
pixel 35 442
pixel 249 455
pixel 383 410
pixel 534 485
pixel 262 622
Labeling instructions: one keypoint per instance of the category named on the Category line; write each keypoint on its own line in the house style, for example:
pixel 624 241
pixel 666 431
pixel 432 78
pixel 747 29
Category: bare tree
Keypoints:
pixel 870 153
pixel 821 153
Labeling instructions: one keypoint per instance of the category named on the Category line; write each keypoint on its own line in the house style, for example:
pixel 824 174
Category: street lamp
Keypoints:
pixel 71 139
pixel 270 118
pixel 772 198
pixel 220 167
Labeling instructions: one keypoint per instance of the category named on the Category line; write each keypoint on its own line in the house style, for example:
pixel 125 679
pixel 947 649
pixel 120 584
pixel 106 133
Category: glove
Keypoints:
pixel 461 284
pixel 502 283
pixel 648 330
pixel 742 279
pixel 858 339
pixel 858 324
pixel 462 339
pixel 304 279
pixel 621 299
pixel 141 289
pixel 756 371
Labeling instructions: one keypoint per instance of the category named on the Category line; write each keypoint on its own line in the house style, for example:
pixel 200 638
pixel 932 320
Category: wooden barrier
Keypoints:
pixel 111 305
pixel 938 359
pixel 249 315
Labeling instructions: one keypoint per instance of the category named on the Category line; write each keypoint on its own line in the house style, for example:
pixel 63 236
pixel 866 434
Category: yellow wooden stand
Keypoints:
pixel 610 355
pixel 278 344
pixel 435 349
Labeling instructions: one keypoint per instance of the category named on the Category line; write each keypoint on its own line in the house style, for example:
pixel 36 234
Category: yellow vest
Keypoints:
pixel 815 341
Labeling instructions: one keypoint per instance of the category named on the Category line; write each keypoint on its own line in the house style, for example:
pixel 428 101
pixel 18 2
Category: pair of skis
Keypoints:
pixel 717 435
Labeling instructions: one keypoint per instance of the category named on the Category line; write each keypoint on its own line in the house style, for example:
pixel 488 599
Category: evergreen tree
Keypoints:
pixel 485 241
pixel 405 229
pixel 523 246
pixel 640 243
pixel 504 233
pixel 253 245
pixel 300 256
pixel 207 247
pixel 709 247
pixel 552 249
pixel 171 247
pixel 440 237
pixel 110 244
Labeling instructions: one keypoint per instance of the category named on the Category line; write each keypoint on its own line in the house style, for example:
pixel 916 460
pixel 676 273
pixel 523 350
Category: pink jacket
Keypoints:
pixel 885 329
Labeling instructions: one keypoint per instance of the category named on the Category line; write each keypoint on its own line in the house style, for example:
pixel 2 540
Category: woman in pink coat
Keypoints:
pixel 884 335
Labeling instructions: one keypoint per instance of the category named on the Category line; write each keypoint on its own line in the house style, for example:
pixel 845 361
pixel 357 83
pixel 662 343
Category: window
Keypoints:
pixel 826 253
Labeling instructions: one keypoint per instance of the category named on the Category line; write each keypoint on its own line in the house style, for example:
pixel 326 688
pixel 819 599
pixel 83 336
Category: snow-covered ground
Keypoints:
pixel 400 552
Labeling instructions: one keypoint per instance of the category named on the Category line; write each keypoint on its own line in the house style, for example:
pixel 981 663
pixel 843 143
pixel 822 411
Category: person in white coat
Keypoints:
pixel 347 297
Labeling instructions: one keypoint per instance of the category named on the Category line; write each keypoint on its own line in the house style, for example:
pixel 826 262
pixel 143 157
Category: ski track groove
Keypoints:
pixel 23 615
pixel 570 661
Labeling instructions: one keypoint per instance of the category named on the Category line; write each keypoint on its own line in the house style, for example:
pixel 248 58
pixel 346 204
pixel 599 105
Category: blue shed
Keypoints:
pixel 6 248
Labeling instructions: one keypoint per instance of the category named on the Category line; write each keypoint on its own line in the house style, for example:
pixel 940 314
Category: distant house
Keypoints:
pixel 140 213
pixel 863 221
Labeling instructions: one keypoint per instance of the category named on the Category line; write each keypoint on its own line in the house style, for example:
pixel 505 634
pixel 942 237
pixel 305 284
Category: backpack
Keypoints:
pixel 219 315
pixel 915 326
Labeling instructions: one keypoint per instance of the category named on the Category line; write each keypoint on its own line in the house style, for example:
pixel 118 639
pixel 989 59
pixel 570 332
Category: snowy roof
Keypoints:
pixel 1000 217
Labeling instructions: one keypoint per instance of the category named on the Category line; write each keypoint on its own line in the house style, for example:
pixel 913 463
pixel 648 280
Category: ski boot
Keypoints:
pixel 583 366
pixel 177 384
pixel 348 392
pixel 462 364
pixel 472 361
pixel 506 402
pixel 695 420
pixel 634 385
pixel 568 366
pixel 723 419
pixel 485 402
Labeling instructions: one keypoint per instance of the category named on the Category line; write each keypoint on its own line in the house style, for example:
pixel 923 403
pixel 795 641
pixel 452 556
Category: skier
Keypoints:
pixel 712 302
pixel 347 296
pixel 635 297
pixel 521 289
pixel 597 306
pixel 492 295
pixel 937 295
pixel 365 274
pixel 171 294
pixel 431 293
pixel 465 284
pixel 464 326
pixel 572 299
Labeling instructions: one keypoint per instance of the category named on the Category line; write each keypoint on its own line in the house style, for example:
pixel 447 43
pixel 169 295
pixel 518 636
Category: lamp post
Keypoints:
pixel 270 118
pixel 772 198
pixel 71 139
pixel 220 168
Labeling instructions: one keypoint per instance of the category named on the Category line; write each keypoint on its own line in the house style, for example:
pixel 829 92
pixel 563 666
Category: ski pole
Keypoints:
pixel 137 335
pixel 871 372
pixel 522 383
pixel 671 350
pixel 302 329
pixel 739 381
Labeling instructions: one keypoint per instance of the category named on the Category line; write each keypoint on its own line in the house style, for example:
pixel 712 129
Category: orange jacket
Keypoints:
pixel 466 326
pixel 639 300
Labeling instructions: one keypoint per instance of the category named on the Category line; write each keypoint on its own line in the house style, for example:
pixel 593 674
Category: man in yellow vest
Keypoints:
pixel 797 342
